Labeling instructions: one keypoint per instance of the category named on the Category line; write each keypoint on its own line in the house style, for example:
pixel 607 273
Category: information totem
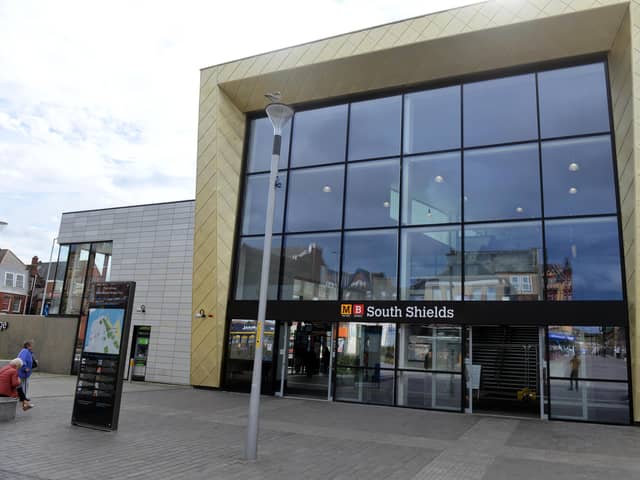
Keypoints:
pixel 102 363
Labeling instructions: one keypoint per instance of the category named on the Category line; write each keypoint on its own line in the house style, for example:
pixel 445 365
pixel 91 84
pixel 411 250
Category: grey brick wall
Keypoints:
pixel 153 246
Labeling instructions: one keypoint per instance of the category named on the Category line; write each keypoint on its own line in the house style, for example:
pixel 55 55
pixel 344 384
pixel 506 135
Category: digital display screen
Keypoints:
pixel 104 331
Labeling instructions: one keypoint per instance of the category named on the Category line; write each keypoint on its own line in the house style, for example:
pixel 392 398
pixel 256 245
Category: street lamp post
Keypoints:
pixel 279 114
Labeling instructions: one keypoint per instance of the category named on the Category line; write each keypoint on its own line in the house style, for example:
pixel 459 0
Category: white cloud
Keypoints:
pixel 98 100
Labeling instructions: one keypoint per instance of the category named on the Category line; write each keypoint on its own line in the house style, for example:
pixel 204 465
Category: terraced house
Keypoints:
pixel 456 214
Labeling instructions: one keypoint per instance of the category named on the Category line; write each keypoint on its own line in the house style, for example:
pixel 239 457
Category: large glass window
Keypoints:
pixel 249 268
pixel 75 278
pixel 255 203
pixel 54 292
pixel 503 261
pixel 430 357
pixel 502 183
pixel 372 194
pixel 369 265
pixel 588 373
pixel 431 185
pixel 261 145
pixel 583 259
pixel 365 360
pixel 374 128
pixel 500 111
pixel 319 136
pixel 573 101
pixel 315 199
pixel 578 177
pixel 430 267
pixel 311 264
pixel 432 120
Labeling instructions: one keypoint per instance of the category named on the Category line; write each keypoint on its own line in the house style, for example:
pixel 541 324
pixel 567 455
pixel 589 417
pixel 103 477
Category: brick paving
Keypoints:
pixel 176 432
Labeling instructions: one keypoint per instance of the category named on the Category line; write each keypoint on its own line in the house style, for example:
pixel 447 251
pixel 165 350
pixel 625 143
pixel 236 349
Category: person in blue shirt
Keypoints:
pixel 26 355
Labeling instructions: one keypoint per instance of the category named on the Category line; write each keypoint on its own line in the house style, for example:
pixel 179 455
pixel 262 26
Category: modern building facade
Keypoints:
pixel 151 245
pixel 455 215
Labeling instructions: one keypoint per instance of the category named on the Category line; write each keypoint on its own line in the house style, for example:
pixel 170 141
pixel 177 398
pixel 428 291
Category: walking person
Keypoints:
pixel 574 364
pixel 10 385
pixel 26 355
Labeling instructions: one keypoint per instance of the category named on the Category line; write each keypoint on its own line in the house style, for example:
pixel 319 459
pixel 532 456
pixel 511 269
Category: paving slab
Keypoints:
pixel 178 432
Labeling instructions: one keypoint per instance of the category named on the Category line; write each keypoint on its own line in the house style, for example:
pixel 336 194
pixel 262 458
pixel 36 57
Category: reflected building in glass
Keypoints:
pixel 453 237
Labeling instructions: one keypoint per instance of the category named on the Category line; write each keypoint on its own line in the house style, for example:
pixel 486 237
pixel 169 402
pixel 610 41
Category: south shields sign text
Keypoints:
pixel 361 310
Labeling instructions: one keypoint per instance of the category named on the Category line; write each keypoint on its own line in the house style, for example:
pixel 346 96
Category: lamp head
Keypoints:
pixel 279 114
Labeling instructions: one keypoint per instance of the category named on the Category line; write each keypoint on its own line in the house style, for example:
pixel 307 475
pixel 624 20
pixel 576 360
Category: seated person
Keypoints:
pixel 10 383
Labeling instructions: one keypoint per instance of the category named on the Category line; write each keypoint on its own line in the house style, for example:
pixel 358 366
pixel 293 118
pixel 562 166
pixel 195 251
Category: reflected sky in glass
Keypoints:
pixel 374 129
pixel 369 265
pixel 573 101
pixel 502 183
pixel 261 145
pixel 500 111
pixel 432 120
pixel 319 136
pixel 372 194
pixel 583 257
pixel 315 199
pixel 578 177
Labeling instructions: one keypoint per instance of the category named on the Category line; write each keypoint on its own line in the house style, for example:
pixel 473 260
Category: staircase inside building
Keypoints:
pixel 509 375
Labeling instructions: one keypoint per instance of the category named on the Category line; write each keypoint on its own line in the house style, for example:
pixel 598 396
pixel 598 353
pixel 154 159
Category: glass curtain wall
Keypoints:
pixel 500 189
pixel 454 193
pixel 79 267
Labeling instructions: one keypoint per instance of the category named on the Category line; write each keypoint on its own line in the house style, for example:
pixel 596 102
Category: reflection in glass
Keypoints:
pixel 364 385
pixel 261 145
pixel 573 101
pixel 502 183
pixel 578 177
pixel 606 402
pixel 369 265
pixel 255 203
pixel 500 111
pixel 374 128
pixel 54 293
pixel 583 259
pixel 430 264
pixel 240 353
pixel 432 120
pixel 431 185
pixel 430 347
pixel 503 262
pixel 74 282
pixel 319 136
pixel 366 345
pixel 249 268
pixel 372 194
pixel 588 352
pixel 242 339
pixel 440 391
pixel 315 199
pixel 311 267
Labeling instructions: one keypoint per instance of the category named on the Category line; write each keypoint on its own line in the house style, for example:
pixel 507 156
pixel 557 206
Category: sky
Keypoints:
pixel 99 100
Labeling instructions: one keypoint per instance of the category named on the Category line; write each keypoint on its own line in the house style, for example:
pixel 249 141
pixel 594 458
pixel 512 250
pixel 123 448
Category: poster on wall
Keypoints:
pixel 102 362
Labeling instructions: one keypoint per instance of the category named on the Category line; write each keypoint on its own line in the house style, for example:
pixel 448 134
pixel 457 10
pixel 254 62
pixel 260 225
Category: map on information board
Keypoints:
pixel 104 330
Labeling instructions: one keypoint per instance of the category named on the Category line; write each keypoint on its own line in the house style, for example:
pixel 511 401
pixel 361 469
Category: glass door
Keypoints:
pixel 305 360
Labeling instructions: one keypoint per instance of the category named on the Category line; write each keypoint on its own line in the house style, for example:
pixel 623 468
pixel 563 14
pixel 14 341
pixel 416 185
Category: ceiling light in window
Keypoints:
pixel 465 198
pixel 573 190
pixel 326 189
pixel 574 167
pixel 439 179
pixel 519 209
pixel 386 204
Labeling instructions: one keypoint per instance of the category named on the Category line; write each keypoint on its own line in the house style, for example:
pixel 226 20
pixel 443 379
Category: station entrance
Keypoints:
pixel 305 364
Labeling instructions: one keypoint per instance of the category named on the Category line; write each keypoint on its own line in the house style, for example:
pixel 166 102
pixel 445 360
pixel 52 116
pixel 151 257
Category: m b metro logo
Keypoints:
pixel 349 309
